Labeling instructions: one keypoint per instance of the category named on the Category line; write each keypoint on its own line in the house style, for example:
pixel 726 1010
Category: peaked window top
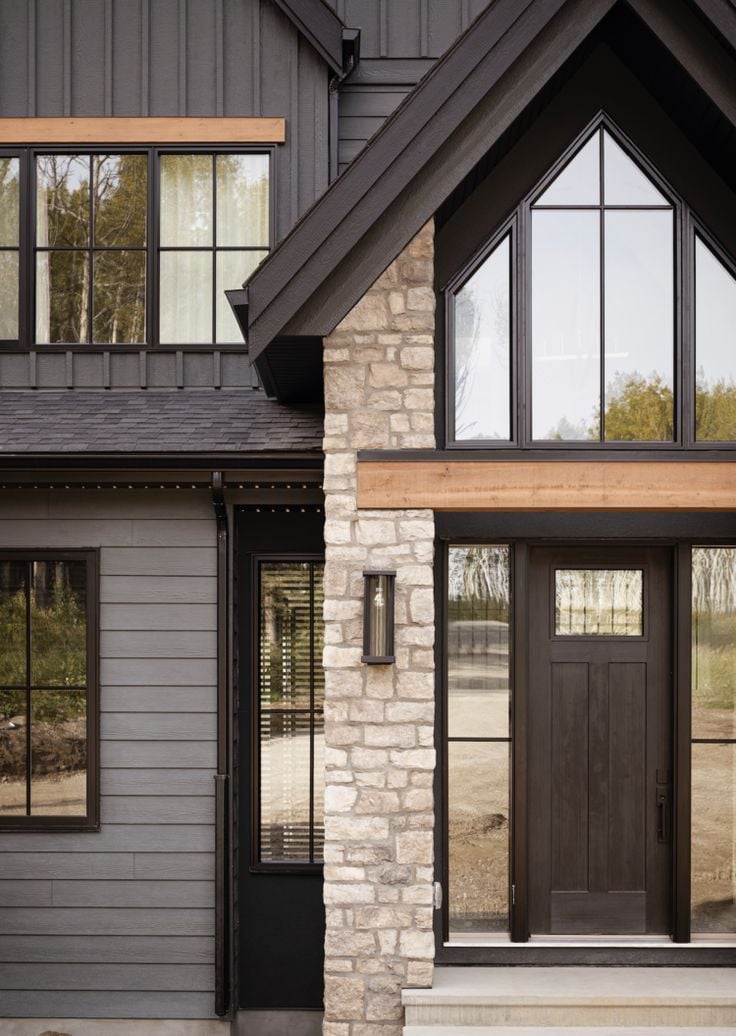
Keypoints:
pixel 578 184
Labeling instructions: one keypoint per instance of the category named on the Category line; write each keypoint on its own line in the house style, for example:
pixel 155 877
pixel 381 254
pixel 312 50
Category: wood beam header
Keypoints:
pixel 152 130
pixel 548 485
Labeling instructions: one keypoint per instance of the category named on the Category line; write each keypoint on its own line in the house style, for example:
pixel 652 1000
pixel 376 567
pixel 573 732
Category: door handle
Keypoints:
pixel 663 815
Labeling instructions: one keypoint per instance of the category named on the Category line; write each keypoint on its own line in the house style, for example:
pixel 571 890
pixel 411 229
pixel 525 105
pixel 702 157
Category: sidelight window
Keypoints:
pixel 574 325
pixel 48 720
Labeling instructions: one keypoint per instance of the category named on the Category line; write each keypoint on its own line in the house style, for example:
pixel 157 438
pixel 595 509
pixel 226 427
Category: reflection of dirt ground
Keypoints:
pixel 51 796
pixel 714 838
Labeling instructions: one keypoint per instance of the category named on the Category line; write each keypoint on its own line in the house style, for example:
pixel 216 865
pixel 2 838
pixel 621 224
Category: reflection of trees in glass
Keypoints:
pixel 715 409
pixel 714 627
pixel 637 409
pixel 481 573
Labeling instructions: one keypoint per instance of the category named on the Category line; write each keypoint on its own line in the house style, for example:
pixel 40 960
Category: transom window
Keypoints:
pixel 575 325
pixel 128 248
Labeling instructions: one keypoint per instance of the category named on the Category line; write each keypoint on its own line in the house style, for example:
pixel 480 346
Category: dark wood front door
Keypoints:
pixel 600 740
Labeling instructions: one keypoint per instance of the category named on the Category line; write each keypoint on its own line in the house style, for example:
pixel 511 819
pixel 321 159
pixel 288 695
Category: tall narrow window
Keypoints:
pixel 479 743
pixel 602 283
pixel 715 347
pixel 214 232
pixel 290 746
pixel 91 240
pixel 47 705
pixel 9 248
pixel 714 740
pixel 481 313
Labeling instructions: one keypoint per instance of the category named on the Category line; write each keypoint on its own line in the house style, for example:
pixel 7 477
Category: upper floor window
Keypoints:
pixel 574 325
pixel 128 248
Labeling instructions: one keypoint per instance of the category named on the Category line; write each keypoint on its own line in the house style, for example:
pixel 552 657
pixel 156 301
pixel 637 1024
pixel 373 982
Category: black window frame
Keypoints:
pixel 90 822
pixel 26 341
pixel 687 228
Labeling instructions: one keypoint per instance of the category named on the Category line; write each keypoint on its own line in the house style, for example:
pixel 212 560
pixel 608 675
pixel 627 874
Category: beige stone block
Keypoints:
pixel 336 711
pixel 418 800
pixel 369 431
pixel 354 829
pixel 377 1029
pixel 414 847
pixel 416 530
pixel 342 734
pixel 368 758
pixel 335 424
pixel 341 776
pixel 372 532
pixel 419 975
pixel 413 758
pixel 397 778
pixel 371 779
pixel 396 302
pixel 422 299
pixel 421 422
pixel 340 799
pixel 338 609
pixel 393 735
pixel 369 314
pixel 419 399
pixel 394 874
pixel 417 358
pixel 399 422
pixel 373 917
pixel 349 892
pixel 369 353
pixel 344 387
pixel 338 872
pixel 412 575
pixel 367 711
pixel 419 895
pixel 344 684
pixel 338 531
pixel 387 942
pixel 340 657
pixel 416 686
pixel 340 505
pixel 374 801
pixel 417 441
pixel 382 1007
pixel 416 943
pixel 340 464
pixel 386 375
pixel 368 854
pixel 409 712
pixel 344 997
pixel 349 943
pixel 384 399
pixel 336 757
pixel 418 320
pixel 335 355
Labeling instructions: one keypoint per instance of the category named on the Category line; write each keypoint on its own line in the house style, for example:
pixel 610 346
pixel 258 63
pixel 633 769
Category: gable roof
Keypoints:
pixel 434 139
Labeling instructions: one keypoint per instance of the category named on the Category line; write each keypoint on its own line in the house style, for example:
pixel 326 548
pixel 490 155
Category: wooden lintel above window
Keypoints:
pixel 152 130
pixel 548 485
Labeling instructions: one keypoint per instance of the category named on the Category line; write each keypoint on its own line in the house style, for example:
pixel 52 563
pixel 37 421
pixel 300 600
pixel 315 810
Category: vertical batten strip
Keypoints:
pixel 219 59
pixel 31 58
pixel 383 29
pixel 67 58
pixel 256 57
pixel 294 85
pixel 108 57
pixel 145 47
pixel 182 102
pixel 423 28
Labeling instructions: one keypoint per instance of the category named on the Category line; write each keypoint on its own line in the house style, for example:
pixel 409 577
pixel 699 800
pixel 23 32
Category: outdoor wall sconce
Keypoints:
pixel 378 618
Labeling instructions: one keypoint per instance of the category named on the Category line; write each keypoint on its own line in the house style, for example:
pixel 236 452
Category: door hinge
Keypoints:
pixel 437 895
pixel 513 895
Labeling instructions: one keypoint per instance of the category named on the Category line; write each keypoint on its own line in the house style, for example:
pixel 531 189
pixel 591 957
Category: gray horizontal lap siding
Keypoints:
pixel 120 922
pixel 175 58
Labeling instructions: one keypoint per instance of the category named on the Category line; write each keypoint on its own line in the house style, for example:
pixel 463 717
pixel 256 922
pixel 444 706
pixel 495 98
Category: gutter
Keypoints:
pixel 223 777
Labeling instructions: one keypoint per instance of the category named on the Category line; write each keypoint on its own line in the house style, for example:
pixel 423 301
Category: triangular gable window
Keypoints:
pixel 584 348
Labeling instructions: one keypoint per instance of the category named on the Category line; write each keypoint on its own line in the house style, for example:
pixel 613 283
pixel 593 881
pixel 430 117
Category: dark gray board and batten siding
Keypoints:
pixel 165 57
pixel 120 922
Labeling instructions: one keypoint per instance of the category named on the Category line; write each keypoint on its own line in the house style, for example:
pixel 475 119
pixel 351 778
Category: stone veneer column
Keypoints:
pixel 379 720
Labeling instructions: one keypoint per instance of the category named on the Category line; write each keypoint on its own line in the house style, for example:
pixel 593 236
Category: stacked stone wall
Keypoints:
pixel 379 720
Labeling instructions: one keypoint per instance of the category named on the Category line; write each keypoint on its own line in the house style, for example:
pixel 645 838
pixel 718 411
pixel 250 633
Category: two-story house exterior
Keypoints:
pixel 368 630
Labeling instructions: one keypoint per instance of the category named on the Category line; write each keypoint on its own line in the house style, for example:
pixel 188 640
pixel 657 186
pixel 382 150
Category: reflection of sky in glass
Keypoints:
pixel 482 350
pixel 579 181
pixel 565 322
pixel 715 318
pixel 623 181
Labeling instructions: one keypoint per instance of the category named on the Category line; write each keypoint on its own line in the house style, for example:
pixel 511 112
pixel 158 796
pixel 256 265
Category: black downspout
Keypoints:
pixel 223 956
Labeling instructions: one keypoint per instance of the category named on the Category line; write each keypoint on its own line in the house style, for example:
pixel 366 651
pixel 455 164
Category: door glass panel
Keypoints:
pixel 714 642
pixel 565 324
pixel 478 679
pixel 714 838
pixel 579 181
pixel 639 325
pixel 597 602
pixel 478 804
pixel 624 182
pixel 285 655
pixel 715 357
pixel 284 792
pixel 483 349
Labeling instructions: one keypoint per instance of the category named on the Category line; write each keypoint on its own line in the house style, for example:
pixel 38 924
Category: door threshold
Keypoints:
pixel 586 941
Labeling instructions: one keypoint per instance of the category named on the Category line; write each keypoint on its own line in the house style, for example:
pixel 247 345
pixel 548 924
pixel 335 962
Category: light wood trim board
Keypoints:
pixel 548 485
pixel 153 130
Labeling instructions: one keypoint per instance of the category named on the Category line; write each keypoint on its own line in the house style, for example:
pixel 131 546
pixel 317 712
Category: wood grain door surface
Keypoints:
pixel 600 744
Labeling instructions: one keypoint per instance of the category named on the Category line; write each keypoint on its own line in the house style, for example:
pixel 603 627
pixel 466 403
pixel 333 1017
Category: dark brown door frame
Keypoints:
pixel 522 531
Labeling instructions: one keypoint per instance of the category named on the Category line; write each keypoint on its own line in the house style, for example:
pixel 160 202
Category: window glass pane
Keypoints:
pixel 186 298
pixel 12 753
pixel 478 789
pixel 59 624
pixel 714 642
pixel 120 199
pixel 9 282
pixel 119 297
pixel 9 201
pixel 319 635
pixel 242 200
pixel 59 753
pixel 714 839
pixel 715 352
pixel 12 624
pixel 639 308
pixel 624 182
pixel 565 325
pixel 62 297
pixel 478 642
pixel 597 602
pixel 579 182
pixel 285 636
pixel 483 350
pixel 232 269
pixel 319 787
pixel 284 793
pixel 62 200
pixel 186 200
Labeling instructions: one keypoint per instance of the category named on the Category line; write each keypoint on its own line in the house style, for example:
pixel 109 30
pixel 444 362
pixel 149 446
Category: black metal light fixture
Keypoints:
pixel 378 617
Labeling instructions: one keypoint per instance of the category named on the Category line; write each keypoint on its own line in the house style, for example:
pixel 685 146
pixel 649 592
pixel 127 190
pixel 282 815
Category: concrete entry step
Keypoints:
pixel 549 999
pixel 567 1030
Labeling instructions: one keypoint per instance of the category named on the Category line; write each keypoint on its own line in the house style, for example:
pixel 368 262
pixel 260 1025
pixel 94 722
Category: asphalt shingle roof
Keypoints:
pixel 183 421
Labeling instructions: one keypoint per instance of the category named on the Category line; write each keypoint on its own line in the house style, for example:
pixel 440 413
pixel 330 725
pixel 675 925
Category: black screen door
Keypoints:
pixel 279 617
pixel 600 741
